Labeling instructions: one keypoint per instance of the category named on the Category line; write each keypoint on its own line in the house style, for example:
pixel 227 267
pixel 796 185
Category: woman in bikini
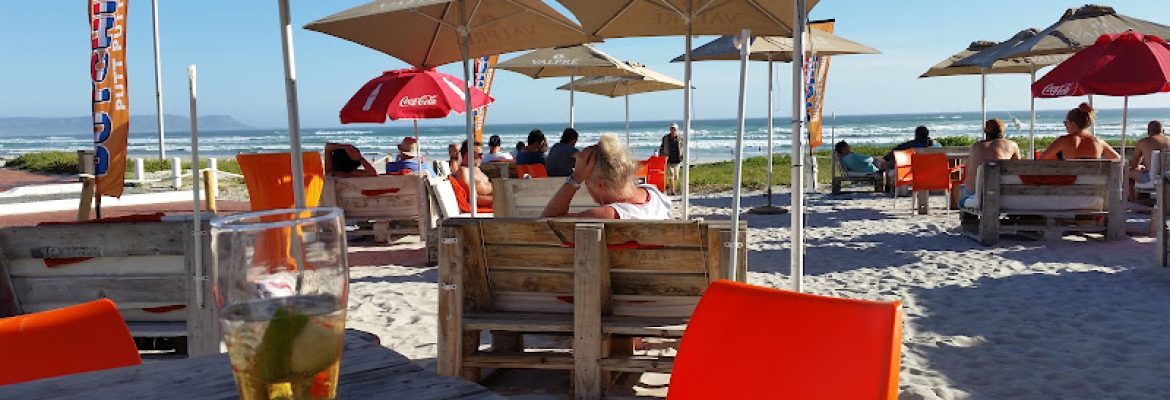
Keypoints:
pixel 1078 143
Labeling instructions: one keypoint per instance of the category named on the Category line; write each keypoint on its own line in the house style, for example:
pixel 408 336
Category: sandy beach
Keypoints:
pixel 1059 319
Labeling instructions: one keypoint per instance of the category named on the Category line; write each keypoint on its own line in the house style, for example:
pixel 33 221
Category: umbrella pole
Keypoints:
pixel 471 199
pixel 684 179
pixel 1092 128
pixel 197 250
pixel 162 150
pixel 769 130
pixel 290 93
pixel 983 95
pixel 1032 128
pixel 417 149
pixel 627 96
pixel 572 92
pixel 744 51
pixel 797 253
pixel 1124 122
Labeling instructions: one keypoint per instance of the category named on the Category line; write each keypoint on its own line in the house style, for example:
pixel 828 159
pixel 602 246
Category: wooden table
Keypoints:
pixel 368 370
pixel 954 159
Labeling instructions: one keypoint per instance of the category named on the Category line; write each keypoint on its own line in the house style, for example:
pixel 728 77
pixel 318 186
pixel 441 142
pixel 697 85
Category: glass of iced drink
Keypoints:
pixel 281 281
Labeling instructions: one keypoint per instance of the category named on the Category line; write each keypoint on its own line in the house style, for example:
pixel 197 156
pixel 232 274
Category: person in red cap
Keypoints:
pixel 408 160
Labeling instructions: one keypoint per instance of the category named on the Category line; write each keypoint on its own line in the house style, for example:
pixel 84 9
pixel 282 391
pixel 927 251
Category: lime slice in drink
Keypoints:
pixel 315 348
pixel 272 358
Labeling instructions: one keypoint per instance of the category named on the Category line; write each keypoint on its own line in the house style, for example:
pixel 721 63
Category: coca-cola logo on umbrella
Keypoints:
pixel 425 100
pixel 1053 89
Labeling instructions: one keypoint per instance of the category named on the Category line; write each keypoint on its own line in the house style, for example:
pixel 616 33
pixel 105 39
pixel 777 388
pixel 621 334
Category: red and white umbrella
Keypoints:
pixel 1124 64
pixel 410 94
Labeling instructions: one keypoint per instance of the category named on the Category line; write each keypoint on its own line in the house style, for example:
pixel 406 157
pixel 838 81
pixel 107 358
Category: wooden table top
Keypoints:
pixel 368 370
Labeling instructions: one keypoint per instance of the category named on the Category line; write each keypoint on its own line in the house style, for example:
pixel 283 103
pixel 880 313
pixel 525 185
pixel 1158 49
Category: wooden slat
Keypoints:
pixel 518 322
pixel 1055 191
pixel 476 286
pixel 545 258
pixel 87 240
pixel 1115 203
pixel 590 302
pixel 558 231
pixel 528 231
pixel 1055 167
pixel 121 289
pixel 741 271
pixel 157 329
pixel 533 360
pixel 531 281
pixel 532 302
pixel 638 364
pixel 659 284
pixel 451 264
pixel 654 306
pixel 524 256
pixel 658 260
pixel 103 266
pixel 9 303
pixel 644 326
pixel 989 205
pixel 203 322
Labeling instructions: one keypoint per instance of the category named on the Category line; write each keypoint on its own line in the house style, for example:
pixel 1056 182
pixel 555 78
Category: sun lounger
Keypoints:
pixel 602 282
pixel 1043 196
pixel 840 175
pixel 384 200
pixel 145 267
pixel 528 197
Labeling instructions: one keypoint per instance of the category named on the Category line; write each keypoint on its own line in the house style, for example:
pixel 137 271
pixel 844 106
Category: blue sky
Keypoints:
pixel 236 47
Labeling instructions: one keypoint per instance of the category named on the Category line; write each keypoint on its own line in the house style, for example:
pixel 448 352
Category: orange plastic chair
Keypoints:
pixel 269 179
pixel 802 347
pixel 533 170
pixel 80 338
pixel 931 172
pixel 656 172
pixel 903 159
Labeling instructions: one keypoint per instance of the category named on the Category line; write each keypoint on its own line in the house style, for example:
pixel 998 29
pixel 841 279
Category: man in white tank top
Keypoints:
pixel 607 172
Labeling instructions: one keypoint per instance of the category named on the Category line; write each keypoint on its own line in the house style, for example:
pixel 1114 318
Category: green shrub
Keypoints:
pixel 964 141
pixel 48 162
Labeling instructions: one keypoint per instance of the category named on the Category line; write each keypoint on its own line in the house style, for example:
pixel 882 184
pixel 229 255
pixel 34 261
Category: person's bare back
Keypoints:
pixel 1077 146
pixel 986 150
pixel 1145 148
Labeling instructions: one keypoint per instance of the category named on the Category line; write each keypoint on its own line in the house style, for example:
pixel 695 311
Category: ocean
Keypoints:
pixel 712 139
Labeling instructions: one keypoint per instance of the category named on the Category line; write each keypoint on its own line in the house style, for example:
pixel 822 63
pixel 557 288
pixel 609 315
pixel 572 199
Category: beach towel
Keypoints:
pixel 462 195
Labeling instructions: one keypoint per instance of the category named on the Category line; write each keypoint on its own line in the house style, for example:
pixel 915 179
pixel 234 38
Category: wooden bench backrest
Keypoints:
pixel 382 196
pixel 654 268
pixel 943 149
pixel 146 268
pixel 443 198
pixel 1095 178
pixel 528 197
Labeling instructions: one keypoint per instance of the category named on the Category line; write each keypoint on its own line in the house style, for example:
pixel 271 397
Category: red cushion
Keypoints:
pixel 462 195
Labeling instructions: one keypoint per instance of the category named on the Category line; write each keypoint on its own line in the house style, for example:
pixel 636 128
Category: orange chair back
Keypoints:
pixel 269 179
pixel 81 338
pixel 931 172
pixel 656 172
pixel 751 342
pixel 903 159
pixel 533 170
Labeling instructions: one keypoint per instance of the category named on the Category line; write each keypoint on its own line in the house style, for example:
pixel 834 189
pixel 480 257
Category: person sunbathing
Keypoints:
pixel 993 147
pixel 343 161
pixel 1078 143
pixel 606 169
pixel 854 162
pixel 483 185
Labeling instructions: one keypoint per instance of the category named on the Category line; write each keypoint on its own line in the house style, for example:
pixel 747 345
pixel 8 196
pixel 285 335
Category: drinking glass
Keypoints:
pixel 281 282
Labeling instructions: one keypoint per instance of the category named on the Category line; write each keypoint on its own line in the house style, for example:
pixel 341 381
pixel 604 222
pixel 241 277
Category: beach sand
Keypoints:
pixel 1059 319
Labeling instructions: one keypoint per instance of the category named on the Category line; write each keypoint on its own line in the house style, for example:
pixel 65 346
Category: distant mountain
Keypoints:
pixel 13 126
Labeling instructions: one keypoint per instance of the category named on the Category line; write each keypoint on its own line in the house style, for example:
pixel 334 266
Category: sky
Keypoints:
pixel 236 48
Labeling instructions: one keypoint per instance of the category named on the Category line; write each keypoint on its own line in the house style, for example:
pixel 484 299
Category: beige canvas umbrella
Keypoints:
pixel 634 18
pixel 646 80
pixel 428 33
pixel 1014 65
pixel 567 61
pixel 776 48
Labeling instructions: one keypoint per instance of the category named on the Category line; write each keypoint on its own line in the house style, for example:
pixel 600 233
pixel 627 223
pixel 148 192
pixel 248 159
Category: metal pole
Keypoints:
pixel 745 45
pixel 162 151
pixel 197 222
pixel 983 95
pixel 572 92
pixel 627 96
pixel 1032 128
pixel 464 43
pixel 294 119
pixel 797 253
pixel 769 130
pixel 1092 128
pixel 686 145
pixel 1124 122
pixel 418 148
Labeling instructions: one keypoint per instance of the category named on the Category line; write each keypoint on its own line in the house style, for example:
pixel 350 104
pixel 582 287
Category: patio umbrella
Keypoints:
pixel 1125 64
pixel 775 48
pixel 1013 65
pixel 617 19
pixel 428 33
pixel 570 61
pixel 646 80
pixel 412 94
pixel 1076 29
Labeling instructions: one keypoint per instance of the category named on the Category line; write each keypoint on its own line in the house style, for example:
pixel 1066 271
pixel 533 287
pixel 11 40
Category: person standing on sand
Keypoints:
pixel 993 147
pixel 1078 143
pixel 671 148
pixel 1139 165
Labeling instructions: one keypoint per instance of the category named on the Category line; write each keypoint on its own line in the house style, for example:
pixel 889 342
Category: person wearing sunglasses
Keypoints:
pixel 1078 142
pixel 483 185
